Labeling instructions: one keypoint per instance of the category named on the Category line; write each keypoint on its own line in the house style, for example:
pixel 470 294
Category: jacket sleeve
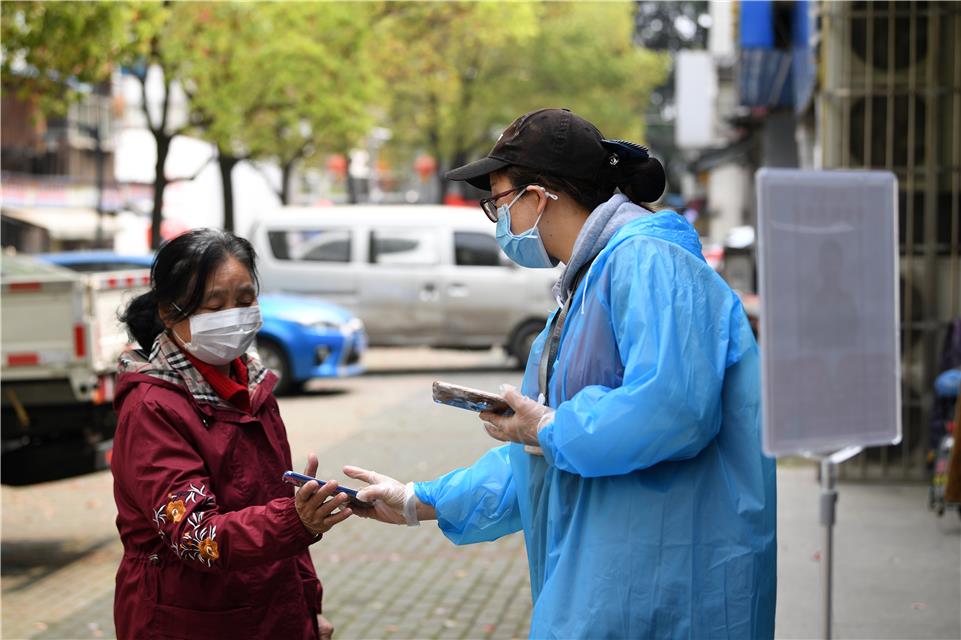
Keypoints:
pixel 671 322
pixel 163 475
pixel 477 503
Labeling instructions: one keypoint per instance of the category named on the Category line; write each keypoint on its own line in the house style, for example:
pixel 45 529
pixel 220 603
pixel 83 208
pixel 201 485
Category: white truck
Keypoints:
pixel 60 339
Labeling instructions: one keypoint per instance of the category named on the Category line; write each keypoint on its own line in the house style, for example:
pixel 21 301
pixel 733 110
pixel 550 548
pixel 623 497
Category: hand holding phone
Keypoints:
pixel 299 480
pixel 469 399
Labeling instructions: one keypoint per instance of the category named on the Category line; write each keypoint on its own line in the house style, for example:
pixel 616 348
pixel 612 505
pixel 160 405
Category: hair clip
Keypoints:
pixel 626 150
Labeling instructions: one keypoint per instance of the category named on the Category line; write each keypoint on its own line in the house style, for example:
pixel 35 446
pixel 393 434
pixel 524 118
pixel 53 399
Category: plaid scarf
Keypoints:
pixel 168 363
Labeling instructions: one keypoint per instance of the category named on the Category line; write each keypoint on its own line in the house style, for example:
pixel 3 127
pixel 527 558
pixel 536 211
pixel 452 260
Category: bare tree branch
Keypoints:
pixel 195 175
pixel 166 102
pixel 262 172
pixel 198 121
pixel 143 99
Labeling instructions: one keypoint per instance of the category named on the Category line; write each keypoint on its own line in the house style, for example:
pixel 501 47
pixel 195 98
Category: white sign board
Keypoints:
pixel 828 276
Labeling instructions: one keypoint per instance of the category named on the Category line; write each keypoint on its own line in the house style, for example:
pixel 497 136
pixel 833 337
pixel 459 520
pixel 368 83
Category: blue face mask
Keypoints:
pixel 527 248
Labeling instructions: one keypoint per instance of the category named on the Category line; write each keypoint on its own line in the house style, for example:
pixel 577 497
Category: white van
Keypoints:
pixel 416 275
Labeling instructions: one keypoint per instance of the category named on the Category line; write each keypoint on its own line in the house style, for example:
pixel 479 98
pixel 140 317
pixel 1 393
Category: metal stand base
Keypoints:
pixel 829 501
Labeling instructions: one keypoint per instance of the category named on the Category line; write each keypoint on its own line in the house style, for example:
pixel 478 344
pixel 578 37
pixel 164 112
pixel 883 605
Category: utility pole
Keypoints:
pixel 94 131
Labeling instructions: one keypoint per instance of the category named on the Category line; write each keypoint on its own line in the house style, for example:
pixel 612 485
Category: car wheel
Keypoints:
pixel 523 341
pixel 273 356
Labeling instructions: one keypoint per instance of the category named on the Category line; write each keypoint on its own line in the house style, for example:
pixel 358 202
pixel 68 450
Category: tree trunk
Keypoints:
pixel 285 174
pixel 459 159
pixel 443 186
pixel 351 187
pixel 159 185
pixel 227 162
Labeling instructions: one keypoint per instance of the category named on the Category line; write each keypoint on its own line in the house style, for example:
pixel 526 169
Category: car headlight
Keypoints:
pixel 354 325
pixel 325 325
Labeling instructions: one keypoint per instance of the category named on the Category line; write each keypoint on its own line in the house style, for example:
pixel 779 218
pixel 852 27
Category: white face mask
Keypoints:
pixel 222 336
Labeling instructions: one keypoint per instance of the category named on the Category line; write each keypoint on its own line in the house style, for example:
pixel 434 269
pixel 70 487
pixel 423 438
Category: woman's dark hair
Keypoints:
pixel 641 180
pixel 179 276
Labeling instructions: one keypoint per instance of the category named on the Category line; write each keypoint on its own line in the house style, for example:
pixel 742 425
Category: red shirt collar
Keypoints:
pixel 232 388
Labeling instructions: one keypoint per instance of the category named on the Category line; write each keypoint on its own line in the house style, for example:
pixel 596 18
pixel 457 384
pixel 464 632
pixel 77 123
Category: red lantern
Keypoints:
pixel 337 165
pixel 425 166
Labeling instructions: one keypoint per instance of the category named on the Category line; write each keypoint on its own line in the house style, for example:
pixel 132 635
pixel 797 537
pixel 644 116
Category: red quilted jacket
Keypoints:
pixel 213 546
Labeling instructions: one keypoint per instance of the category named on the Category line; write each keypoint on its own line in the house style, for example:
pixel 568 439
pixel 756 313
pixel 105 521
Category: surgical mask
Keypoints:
pixel 527 248
pixel 222 336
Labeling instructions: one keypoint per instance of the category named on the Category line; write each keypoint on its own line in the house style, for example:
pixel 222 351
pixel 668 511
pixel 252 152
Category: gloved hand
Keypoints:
pixel 394 502
pixel 528 419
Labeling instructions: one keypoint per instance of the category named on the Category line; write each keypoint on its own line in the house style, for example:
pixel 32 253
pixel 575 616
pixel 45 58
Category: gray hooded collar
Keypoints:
pixel 599 228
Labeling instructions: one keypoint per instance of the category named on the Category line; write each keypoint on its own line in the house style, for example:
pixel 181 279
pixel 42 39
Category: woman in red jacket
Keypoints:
pixel 215 543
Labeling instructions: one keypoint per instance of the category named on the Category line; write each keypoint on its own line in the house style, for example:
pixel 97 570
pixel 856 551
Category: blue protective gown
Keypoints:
pixel 652 512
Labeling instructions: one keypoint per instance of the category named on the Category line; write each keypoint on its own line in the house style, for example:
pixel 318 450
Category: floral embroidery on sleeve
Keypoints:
pixel 198 542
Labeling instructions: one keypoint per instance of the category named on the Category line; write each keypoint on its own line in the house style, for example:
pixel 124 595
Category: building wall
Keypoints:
pixel 728 190
pixel 21 126
pixel 32 143
pixel 21 133
pixel 891 99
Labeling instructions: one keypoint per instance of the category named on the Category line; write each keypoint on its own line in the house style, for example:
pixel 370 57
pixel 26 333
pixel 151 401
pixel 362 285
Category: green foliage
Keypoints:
pixel 449 68
pixel 460 72
pixel 279 80
pixel 286 80
pixel 584 59
pixel 50 49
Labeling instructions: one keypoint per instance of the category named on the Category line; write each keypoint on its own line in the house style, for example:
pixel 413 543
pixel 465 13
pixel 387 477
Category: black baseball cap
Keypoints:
pixel 555 141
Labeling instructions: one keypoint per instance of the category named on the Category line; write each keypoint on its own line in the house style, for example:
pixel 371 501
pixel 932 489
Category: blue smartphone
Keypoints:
pixel 299 480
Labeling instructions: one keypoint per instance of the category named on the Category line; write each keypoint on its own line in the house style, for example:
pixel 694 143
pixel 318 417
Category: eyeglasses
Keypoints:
pixel 489 205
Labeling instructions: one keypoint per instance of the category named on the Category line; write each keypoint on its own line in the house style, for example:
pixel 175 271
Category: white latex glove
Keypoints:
pixel 394 502
pixel 523 426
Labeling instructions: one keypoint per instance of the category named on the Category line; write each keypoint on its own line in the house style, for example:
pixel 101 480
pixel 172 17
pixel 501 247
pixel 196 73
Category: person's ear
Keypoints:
pixel 543 197
pixel 167 315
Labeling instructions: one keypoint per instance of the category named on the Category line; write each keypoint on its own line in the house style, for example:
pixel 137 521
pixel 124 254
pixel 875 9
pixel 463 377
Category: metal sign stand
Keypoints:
pixel 829 500
pixel 804 387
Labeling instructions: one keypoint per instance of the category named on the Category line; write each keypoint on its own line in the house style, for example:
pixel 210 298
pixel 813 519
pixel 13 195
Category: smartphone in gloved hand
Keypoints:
pixel 469 399
pixel 299 480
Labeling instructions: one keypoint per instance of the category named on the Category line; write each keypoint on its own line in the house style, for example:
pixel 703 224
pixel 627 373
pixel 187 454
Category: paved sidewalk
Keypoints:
pixel 897 569
pixel 897 566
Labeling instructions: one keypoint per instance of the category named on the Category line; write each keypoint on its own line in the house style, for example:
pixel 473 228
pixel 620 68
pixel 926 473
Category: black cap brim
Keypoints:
pixel 477 173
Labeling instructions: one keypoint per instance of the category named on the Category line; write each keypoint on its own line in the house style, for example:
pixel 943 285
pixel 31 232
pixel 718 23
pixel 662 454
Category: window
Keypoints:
pixel 403 246
pixel 476 250
pixel 311 245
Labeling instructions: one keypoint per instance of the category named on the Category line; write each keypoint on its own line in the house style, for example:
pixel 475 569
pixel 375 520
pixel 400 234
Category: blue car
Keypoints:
pixel 302 338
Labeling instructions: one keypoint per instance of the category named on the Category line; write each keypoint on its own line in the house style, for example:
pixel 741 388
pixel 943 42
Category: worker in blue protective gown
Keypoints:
pixel 633 462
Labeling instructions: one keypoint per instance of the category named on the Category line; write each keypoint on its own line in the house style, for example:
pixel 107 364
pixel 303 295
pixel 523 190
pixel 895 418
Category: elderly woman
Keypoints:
pixel 215 544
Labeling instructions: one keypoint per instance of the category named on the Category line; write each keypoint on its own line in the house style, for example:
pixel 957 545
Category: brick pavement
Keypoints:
pixel 411 582
pixel 60 552
pixel 897 566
